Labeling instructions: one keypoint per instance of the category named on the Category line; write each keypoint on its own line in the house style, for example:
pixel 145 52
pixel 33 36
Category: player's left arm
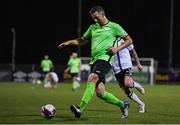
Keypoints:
pixel 136 58
pixel 120 32
pixel 127 42
pixel 51 64
pixel 79 64
pixel 42 63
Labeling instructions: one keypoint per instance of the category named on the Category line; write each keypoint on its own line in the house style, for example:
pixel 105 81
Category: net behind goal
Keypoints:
pixel 146 76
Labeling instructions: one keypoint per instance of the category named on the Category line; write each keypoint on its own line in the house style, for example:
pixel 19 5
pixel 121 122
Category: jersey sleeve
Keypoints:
pixel 119 31
pixel 51 62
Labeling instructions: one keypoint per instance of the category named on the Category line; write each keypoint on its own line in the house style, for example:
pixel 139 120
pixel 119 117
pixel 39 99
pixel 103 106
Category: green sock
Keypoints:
pixel 45 80
pixel 74 85
pixel 77 84
pixel 110 98
pixel 88 94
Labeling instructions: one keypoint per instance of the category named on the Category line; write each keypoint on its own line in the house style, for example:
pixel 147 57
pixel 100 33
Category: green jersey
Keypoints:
pixel 46 65
pixel 102 38
pixel 74 64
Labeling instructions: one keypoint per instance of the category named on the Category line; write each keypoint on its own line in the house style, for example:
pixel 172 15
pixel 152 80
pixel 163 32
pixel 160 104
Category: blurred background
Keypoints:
pixel 30 29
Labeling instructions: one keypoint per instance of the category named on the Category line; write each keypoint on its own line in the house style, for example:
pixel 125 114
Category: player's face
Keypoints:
pixel 98 17
pixel 74 55
pixel 46 57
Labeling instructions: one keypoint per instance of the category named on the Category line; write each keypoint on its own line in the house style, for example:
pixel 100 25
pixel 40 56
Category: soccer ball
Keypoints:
pixel 48 111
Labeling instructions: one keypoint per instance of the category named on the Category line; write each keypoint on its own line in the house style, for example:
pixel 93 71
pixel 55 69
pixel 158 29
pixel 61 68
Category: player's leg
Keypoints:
pixel 98 69
pixel 130 94
pixel 126 82
pixel 88 94
pixel 139 87
pixel 74 84
pixel 78 80
pixel 130 83
pixel 47 79
pixel 104 67
pixel 54 82
pixel 110 98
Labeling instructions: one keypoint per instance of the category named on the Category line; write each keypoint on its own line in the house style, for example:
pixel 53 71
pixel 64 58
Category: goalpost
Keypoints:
pixel 146 76
pixel 149 68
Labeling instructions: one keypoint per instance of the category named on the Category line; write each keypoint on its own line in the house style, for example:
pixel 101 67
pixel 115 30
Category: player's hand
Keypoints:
pixel 63 44
pixel 65 71
pixel 111 51
pixel 139 67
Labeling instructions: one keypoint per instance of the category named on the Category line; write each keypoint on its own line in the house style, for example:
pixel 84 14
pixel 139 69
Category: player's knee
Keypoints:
pixel 93 78
pixel 128 83
pixel 100 90
pixel 99 93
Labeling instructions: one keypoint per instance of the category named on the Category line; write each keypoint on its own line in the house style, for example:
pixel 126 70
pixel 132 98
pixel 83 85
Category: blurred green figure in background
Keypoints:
pixel 47 66
pixel 74 65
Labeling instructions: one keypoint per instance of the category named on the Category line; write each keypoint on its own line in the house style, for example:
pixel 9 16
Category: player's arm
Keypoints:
pixel 51 64
pixel 79 65
pixel 136 58
pixel 76 42
pixel 79 41
pixel 41 64
pixel 127 42
pixel 67 69
pixel 120 32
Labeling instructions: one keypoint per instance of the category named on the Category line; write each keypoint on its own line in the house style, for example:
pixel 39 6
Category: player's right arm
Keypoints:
pixel 135 56
pixel 79 41
pixel 67 69
pixel 76 42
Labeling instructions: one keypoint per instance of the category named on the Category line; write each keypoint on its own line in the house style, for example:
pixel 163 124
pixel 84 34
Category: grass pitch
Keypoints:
pixel 20 103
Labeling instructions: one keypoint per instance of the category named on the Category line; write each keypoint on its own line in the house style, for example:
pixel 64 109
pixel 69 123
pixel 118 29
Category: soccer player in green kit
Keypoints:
pixel 47 66
pixel 74 64
pixel 103 35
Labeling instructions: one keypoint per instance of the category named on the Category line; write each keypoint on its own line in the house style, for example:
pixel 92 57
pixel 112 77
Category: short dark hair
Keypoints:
pixel 97 8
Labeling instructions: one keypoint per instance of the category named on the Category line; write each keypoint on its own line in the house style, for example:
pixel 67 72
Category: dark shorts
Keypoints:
pixel 101 68
pixel 120 76
pixel 74 74
pixel 43 73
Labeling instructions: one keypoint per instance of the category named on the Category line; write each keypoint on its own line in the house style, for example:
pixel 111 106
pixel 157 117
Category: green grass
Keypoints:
pixel 20 103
